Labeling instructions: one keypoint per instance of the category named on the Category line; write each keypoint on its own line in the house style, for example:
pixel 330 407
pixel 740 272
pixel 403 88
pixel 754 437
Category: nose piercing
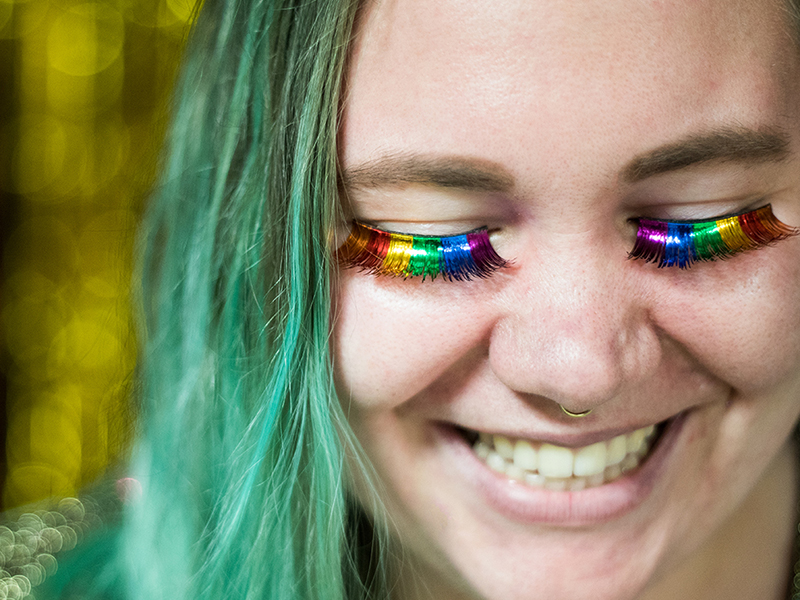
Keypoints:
pixel 577 415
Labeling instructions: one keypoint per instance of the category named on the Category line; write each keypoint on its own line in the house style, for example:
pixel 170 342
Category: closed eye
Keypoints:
pixel 455 258
pixel 682 243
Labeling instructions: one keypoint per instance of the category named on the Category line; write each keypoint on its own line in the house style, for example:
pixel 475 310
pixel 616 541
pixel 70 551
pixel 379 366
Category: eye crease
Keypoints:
pixel 682 243
pixel 455 258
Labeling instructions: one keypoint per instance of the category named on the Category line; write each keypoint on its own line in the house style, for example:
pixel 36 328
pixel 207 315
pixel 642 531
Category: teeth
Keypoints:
pixel 558 468
pixel 535 479
pixel 555 461
pixel 496 462
pixel 514 472
pixel 635 440
pixel 617 449
pixel 590 460
pixel 504 447
pixel 482 449
pixel 612 472
pixel 557 484
pixel 526 456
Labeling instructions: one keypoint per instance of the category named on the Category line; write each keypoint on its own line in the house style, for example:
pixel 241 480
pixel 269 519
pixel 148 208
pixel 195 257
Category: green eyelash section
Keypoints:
pixel 682 243
pixel 458 257
pixel 708 242
pixel 425 259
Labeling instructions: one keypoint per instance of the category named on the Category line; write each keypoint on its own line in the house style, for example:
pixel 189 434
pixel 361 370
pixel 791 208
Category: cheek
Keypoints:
pixel 740 319
pixel 394 337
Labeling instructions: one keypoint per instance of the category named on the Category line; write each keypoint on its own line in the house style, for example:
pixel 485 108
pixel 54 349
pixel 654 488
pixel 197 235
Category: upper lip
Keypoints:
pixel 568 439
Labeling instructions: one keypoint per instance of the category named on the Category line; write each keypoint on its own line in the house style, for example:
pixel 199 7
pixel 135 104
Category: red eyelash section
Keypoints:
pixel 458 257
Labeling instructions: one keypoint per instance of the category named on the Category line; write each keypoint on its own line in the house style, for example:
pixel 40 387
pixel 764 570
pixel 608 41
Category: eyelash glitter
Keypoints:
pixel 455 257
pixel 681 243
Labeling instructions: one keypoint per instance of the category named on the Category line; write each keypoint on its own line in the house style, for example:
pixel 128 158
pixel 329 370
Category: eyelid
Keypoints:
pixel 456 257
pixel 439 228
pixel 682 243
pixel 751 208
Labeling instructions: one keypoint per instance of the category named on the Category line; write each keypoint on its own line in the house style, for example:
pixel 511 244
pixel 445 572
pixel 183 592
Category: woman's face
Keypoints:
pixel 555 124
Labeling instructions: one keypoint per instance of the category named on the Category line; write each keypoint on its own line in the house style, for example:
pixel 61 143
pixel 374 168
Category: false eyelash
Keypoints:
pixel 455 257
pixel 682 243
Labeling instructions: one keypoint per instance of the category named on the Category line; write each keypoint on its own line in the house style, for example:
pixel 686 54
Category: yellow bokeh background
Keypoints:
pixel 84 90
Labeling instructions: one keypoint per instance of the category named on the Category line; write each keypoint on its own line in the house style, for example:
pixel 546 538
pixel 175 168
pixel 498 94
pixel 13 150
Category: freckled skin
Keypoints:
pixel 563 95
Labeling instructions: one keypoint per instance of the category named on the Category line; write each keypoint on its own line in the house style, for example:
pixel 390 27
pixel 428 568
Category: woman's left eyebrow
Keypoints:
pixel 465 173
pixel 724 144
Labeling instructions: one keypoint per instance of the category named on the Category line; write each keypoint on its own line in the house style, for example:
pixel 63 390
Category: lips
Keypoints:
pixel 558 468
pixel 546 494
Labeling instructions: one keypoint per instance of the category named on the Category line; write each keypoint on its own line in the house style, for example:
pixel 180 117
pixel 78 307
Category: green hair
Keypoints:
pixel 242 445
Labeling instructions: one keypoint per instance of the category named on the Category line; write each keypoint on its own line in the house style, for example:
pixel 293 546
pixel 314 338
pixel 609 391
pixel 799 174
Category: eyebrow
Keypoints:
pixel 725 144
pixel 730 144
pixel 470 174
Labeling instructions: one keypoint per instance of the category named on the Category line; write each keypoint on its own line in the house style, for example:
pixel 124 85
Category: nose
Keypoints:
pixel 576 331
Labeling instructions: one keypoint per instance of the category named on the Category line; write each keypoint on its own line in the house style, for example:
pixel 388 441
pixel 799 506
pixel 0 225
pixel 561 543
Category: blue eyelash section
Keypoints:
pixel 457 255
pixel 678 251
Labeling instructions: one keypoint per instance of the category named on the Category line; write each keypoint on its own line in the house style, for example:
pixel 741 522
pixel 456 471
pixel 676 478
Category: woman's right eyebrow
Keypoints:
pixel 465 173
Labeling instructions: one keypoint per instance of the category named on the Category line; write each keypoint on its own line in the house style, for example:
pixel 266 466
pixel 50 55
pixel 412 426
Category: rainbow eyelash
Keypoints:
pixel 455 257
pixel 681 243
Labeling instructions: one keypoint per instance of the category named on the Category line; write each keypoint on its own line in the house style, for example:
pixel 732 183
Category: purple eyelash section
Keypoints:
pixel 457 257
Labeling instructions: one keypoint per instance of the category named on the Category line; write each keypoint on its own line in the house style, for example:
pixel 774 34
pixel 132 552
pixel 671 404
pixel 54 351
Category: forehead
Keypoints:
pixel 523 77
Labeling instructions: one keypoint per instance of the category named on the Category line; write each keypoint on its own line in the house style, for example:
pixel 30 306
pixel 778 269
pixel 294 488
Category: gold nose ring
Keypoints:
pixel 577 415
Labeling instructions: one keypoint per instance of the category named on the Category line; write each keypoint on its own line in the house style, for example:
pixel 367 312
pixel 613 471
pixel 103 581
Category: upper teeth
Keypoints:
pixel 558 467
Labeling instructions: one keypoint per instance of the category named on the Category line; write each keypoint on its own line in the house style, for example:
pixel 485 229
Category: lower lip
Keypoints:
pixel 526 504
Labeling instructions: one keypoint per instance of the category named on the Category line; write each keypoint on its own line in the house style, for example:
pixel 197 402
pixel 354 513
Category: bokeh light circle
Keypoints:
pixel 86 39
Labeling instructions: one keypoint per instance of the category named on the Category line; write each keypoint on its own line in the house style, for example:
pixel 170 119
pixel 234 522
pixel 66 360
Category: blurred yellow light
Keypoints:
pixel 6 12
pixel 33 481
pixel 81 156
pixel 75 164
pixel 29 284
pixel 86 343
pixel 86 99
pixel 111 149
pixel 162 13
pixel 30 327
pixel 70 96
pixel 27 17
pixel 85 39
pixel 43 244
pixel 56 436
pixel 39 156
pixel 104 247
pixel 182 9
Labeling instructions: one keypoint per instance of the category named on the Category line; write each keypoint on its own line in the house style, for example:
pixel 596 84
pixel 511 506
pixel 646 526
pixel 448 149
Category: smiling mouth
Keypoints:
pixel 558 468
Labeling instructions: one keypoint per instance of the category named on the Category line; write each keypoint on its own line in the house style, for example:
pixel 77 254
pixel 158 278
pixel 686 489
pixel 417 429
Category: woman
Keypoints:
pixel 536 416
